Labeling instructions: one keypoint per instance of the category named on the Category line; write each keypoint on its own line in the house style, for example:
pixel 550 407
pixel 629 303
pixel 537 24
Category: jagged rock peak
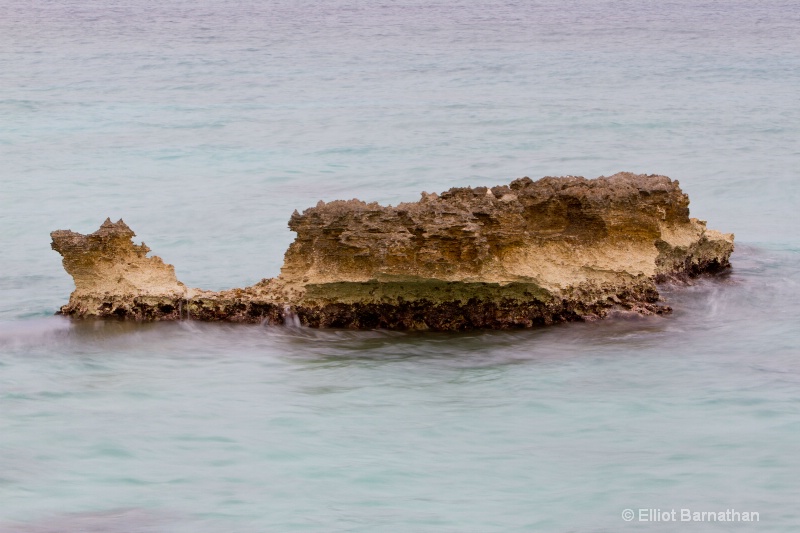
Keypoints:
pixel 108 262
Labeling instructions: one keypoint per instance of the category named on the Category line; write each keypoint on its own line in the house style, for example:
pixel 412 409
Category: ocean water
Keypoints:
pixel 204 124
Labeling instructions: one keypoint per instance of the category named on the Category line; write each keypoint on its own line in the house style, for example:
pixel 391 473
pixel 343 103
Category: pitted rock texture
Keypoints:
pixel 106 266
pixel 518 255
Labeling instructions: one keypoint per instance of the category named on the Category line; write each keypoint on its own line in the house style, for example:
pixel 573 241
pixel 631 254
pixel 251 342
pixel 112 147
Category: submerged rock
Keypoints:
pixel 518 255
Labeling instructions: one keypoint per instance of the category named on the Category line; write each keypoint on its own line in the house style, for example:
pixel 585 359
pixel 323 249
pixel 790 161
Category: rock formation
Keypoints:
pixel 518 255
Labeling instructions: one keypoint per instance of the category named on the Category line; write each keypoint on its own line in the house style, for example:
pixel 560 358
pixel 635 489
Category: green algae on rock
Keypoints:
pixel 511 256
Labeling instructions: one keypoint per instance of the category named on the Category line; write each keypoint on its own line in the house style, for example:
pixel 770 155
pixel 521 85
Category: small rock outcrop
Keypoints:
pixel 517 255
pixel 110 271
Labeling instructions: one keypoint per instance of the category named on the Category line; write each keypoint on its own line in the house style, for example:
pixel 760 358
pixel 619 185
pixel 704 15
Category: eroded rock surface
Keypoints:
pixel 110 271
pixel 532 252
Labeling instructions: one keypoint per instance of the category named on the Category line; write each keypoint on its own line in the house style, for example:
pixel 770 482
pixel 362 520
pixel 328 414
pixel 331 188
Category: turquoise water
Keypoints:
pixel 205 124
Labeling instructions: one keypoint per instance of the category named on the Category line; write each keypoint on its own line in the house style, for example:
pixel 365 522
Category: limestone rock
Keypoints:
pixel 532 252
pixel 108 269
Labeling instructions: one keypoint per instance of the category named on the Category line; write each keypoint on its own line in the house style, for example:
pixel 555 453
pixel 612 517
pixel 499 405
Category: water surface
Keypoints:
pixel 205 124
